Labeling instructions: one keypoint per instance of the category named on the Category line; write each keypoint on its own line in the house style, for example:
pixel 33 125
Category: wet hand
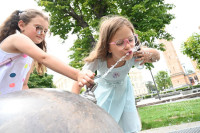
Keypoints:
pixel 145 55
pixel 140 56
pixel 86 77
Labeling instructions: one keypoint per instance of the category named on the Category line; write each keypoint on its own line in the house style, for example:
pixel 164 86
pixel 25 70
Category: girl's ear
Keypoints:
pixel 21 25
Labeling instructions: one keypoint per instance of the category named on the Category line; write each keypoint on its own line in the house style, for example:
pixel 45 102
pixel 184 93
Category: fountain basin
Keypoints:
pixel 52 111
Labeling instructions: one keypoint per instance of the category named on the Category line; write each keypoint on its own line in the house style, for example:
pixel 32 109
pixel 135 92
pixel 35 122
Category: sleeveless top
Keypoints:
pixel 13 74
pixel 115 94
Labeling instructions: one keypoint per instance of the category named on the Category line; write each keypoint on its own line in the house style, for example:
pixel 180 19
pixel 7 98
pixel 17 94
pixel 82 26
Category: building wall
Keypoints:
pixel 177 73
pixel 179 81
pixel 197 71
pixel 64 83
pixel 138 83
pixel 178 76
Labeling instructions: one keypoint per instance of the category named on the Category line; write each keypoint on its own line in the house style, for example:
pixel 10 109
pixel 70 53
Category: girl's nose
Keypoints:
pixel 127 44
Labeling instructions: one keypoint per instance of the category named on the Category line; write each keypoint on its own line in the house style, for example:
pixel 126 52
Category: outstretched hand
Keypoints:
pixel 86 77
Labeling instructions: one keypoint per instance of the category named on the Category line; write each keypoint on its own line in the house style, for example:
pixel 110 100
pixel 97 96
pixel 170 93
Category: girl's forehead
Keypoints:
pixel 123 32
pixel 38 20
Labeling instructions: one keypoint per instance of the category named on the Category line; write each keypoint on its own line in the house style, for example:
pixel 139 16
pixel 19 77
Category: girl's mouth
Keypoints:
pixel 129 52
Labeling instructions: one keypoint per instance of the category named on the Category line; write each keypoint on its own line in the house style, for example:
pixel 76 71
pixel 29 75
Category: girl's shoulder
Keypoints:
pixel 18 36
pixel 15 38
pixel 93 65
pixel 11 43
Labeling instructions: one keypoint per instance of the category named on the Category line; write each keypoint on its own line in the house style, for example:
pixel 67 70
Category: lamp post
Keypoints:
pixel 155 85
pixel 186 73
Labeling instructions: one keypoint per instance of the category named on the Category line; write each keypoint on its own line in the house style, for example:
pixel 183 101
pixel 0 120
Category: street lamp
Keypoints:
pixel 155 85
pixel 186 73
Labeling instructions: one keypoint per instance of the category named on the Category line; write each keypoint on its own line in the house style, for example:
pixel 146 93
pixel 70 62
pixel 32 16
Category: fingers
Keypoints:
pixel 139 55
pixel 86 78
pixel 142 55
pixel 80 84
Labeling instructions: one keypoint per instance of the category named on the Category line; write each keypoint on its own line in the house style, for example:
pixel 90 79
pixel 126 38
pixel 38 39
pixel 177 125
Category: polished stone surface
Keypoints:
pixel 52 111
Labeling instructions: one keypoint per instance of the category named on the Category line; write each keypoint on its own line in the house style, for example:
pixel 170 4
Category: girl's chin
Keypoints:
pixel 128 57
pixel 37 42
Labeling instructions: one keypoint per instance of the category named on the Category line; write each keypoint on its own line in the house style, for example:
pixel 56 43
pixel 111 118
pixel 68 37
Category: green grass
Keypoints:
pixel 169 114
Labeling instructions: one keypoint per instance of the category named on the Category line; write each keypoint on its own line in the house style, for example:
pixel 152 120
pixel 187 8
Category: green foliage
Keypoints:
pixel 82 90
pixel 81 17
pixel 81 48
pixel 169 114
pixel 163 80
pixel 196 86
pixel 147 96
pixel 37 81
pixel 182 88
pixel 150 86
pixel 191 48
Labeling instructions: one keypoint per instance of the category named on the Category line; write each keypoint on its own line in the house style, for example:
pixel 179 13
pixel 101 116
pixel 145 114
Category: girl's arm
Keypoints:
pixel 151 55
pixel 23 44
pixel 93 66
pixel 76 88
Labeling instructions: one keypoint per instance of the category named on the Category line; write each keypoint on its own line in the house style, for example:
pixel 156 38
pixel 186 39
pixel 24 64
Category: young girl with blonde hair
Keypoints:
pixel 114 92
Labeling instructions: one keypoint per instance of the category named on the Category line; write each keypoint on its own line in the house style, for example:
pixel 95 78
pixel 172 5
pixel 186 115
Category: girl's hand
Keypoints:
pixel 85 77
pixel 140 56
pixel 147 55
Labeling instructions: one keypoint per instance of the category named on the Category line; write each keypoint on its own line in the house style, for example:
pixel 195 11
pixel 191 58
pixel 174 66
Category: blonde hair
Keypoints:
pixel 109 25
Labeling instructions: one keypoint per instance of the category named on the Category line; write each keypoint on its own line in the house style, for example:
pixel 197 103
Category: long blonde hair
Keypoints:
pixel 108 27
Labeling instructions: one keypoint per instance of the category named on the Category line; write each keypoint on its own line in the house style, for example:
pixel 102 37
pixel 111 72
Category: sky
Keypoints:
pixel 187 21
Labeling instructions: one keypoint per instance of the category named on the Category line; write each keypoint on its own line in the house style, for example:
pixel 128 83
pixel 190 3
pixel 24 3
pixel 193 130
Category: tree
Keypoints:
pixel 150 86
pixel 81 17
pixel 191 48
pixel 37 81
pixel 163 80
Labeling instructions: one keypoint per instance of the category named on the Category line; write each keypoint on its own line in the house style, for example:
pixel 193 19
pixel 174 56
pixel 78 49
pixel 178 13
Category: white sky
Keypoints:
pixel 187 22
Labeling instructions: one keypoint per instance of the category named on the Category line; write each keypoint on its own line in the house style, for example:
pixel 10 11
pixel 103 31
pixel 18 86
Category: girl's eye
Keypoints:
pixel 130 39
pixel 120 43
pixel 39 29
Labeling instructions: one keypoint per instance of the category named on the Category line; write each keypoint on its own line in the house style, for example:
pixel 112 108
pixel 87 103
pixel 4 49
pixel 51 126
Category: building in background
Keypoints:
pixel 64 83
pixel 178 73
pixel 196 74
pixel 138 83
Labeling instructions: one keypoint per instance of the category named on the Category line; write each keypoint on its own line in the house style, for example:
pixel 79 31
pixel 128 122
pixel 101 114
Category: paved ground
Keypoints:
pixel 193 127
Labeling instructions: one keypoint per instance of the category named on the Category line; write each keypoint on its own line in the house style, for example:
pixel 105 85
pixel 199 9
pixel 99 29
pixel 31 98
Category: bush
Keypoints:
pixel 147 96
pixel 181 88
pixel 196 86
pixel 169 91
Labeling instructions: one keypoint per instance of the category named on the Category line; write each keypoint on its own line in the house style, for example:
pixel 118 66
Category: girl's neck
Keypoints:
pixel 111 62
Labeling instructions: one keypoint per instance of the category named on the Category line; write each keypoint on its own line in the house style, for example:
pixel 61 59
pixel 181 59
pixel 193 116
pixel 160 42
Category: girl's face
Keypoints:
pixel 36 29
pixel 122 43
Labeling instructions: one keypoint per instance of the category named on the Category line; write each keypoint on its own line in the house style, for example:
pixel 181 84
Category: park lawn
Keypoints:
pixel 169 114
